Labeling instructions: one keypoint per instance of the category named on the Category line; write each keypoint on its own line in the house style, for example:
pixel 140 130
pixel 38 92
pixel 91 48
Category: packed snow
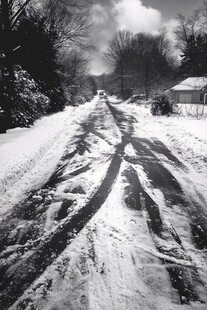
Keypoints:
pixel 115 261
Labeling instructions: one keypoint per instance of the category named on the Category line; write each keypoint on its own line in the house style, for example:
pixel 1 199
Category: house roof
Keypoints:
pixel 192 83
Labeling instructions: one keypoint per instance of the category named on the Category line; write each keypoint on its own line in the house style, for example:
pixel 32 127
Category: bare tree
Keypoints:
pixel 151 60
pixel 118 54
pixel 187 26
pixel 71 22
pixel 140 60
pixel 203 17
pixel 74 69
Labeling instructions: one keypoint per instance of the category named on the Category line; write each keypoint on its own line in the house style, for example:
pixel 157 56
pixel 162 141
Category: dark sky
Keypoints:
pixel 170 7
pixel 136 16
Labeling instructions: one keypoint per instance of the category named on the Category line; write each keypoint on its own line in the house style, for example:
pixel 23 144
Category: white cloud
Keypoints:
pixel 99 14
pixel 170 26
pixel 134 16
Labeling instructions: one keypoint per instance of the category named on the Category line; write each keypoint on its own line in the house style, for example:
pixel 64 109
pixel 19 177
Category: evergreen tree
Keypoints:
pixel 38 55
pixel 194 57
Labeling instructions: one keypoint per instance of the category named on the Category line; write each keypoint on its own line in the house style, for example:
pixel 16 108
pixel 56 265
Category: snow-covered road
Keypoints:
pixel 98 212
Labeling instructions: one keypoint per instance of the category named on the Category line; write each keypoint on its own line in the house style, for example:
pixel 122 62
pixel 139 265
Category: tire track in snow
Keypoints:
pixel 183 279
pixel 13 284
pixel 16 279
pixel 181 276
pixel 162 179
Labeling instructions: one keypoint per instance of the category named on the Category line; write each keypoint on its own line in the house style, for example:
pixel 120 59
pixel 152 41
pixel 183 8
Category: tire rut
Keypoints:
pixel 183 279
pixel 162 179
pixel 14 281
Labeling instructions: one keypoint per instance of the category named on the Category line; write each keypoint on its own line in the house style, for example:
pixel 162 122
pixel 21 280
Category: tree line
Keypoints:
pixel 142 60
pixel 42 57
pixel 144 63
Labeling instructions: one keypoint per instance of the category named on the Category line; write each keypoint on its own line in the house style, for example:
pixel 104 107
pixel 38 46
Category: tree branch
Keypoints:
pixel 19 12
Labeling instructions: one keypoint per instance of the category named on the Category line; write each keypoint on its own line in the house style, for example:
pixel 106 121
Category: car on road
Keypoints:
pixel 102 94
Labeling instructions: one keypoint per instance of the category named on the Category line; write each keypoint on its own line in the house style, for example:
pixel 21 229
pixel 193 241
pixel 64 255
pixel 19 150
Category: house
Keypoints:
pixel 191 90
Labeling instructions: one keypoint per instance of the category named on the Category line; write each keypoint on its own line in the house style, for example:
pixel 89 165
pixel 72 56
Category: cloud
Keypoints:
pixel 100 14
pixel 170 26
pixel 105 28
pixel 134 16
pixel 105 24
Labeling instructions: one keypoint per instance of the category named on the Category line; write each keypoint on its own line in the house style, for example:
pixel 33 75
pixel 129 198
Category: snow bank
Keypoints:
pixel 29 156
pixel 194 110
pixel 197 128
pixel 114 99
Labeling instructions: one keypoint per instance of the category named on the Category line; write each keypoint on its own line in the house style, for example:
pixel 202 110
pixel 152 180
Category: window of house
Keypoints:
pixel 201 97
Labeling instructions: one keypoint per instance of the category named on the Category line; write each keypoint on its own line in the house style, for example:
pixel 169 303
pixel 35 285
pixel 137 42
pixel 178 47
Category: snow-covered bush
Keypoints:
pixel 161 104
pixel 29 103
pixel 138 99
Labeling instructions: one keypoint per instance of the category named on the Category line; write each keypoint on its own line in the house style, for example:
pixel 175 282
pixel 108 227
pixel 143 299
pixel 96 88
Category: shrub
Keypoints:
pixel 139 99
pixel 57 99
pixel 29 103
pixel 161 105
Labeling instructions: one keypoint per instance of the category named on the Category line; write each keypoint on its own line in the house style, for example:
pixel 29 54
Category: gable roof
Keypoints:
pixel 192 83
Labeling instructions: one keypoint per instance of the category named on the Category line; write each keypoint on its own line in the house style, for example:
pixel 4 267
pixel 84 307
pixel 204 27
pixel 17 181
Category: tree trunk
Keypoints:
pixel 8 77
